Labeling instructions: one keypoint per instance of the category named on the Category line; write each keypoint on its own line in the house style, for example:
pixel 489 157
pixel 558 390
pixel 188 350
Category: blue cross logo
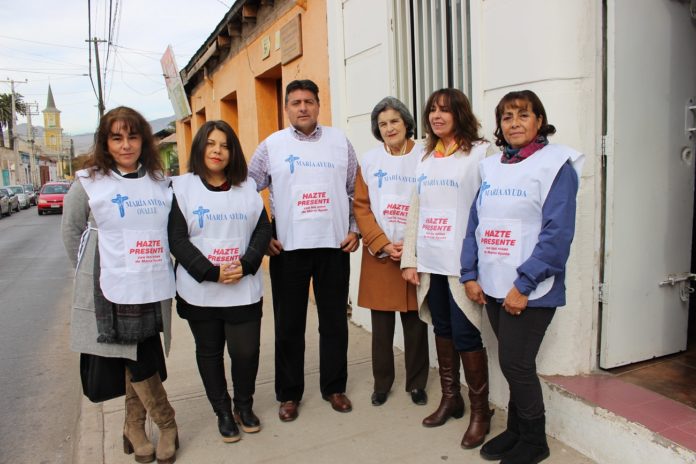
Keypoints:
pixel 291 160
pixel 200 212
pixel 119 200
pixel 380 175
pixel 484 186
pixel 420 181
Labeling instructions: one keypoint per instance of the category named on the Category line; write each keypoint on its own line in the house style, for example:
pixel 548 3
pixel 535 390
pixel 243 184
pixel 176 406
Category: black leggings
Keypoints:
pixel 519 338
pixel 150 360
pixel 243 347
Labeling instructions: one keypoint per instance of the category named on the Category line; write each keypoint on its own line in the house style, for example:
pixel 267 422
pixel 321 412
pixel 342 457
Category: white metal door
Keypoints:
pixel 651 74
pixel 367 68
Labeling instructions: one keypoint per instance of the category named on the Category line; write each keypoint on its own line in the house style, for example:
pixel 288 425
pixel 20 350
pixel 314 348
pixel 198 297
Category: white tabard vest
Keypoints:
pixel 309 189
pixel 390 182
pixel 509 209
pixel 132 217
pixel 220 225
pixel 446 189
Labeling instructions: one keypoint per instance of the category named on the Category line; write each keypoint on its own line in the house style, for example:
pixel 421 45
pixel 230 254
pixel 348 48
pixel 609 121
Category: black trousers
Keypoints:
pixel 519 339
pixel 291 271
pixel 415 349
pixel 243 347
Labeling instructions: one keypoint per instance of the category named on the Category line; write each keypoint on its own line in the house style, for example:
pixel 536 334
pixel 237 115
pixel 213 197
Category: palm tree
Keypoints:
pixel 6 115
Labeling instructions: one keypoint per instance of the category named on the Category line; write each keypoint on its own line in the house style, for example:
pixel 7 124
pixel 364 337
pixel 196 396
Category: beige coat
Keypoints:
pixel 381 284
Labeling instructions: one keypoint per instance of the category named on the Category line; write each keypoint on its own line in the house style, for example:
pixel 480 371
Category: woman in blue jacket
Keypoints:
pixel 513 259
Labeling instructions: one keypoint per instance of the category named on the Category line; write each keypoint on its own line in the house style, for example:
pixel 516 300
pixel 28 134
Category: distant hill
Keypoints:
pixel 83 142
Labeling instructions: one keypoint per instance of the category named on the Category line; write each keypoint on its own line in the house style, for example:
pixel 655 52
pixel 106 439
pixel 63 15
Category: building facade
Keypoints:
pixel 618 80
pixel 239 73
pixel 593 64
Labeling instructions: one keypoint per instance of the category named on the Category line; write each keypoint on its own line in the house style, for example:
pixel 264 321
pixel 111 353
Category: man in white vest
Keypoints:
pixel 309 170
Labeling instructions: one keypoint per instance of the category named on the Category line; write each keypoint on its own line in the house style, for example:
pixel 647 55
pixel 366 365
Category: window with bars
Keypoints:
pixel 431 45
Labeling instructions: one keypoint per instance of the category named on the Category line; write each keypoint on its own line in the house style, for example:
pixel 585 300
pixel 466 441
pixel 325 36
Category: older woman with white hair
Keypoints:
pixel 383 188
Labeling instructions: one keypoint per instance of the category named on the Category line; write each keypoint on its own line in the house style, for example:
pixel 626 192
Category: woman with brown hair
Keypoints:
pixel 115 232
pixel 383 186
pixel 218 232
pixel 447 179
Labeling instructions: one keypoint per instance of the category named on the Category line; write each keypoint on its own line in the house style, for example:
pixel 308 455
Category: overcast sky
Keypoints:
pixel 44 42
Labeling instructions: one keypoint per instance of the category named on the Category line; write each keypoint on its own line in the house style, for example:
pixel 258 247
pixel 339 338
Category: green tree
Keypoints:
pixel 6 115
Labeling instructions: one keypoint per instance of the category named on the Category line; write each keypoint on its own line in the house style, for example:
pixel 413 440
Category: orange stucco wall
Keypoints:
pixel 246 83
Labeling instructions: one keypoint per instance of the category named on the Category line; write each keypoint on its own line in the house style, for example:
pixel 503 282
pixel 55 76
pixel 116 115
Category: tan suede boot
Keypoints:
pixel 151 392
pixel 452 403
pixel 134 437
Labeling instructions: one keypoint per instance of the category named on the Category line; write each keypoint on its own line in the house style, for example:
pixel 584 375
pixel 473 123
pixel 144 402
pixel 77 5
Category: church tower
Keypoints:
pixel 53 133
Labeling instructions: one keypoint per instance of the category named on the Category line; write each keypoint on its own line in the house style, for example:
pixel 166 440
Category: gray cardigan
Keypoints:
pixel 83 326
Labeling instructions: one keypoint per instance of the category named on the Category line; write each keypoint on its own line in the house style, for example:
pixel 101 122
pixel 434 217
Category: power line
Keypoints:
pixel 43 72
pixel 108 41
pixel 113 38
pixel 44 57
pixel 40 43
pixel 89 34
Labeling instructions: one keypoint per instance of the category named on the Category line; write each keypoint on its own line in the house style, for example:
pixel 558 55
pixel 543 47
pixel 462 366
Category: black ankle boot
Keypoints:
pixel 228 428
pixel 496 447
pixel 246 418
pixel 532 447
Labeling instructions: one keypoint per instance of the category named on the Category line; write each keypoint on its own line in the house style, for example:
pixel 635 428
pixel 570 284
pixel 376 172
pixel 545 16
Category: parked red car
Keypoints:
pixel 51 197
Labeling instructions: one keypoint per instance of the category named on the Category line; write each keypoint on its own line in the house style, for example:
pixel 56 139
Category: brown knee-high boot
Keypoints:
pixel 134 437
pixel 476 375
pixel 151 392
pixel 452 403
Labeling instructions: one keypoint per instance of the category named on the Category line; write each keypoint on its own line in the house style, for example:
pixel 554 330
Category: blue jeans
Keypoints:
pixel 449 321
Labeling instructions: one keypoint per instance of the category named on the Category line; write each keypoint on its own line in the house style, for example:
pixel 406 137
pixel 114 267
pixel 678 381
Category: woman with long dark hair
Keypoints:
pixel 219 231
pixel 115 232
pixel 447 179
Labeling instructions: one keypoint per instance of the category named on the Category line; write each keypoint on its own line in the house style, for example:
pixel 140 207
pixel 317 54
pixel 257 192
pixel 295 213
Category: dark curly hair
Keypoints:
pixel 100 159
pixel 466 125
pixel 513 99
pixel 236 169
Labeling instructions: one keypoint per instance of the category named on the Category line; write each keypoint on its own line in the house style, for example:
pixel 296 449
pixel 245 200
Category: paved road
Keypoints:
pixel 39 383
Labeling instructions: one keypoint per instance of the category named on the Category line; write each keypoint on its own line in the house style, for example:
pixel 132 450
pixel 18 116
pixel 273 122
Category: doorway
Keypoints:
pixel 229 111
pixel 269 101
pixel 647 318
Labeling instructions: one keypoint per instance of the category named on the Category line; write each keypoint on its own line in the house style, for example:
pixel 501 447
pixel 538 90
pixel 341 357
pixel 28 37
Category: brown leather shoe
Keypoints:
pixel 288 411
pixel 339 402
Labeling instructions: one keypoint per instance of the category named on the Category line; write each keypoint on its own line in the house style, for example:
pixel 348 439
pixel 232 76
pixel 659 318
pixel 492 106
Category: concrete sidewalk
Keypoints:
pixel 391 433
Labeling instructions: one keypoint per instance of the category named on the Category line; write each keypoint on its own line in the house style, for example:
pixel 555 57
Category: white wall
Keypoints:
pixel 361 66
pixel 552 48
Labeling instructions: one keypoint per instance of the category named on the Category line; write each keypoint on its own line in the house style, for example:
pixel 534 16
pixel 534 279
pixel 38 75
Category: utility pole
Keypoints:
pixel 13 129
pixel 100 93
pixel 71 155
pixel 33 165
